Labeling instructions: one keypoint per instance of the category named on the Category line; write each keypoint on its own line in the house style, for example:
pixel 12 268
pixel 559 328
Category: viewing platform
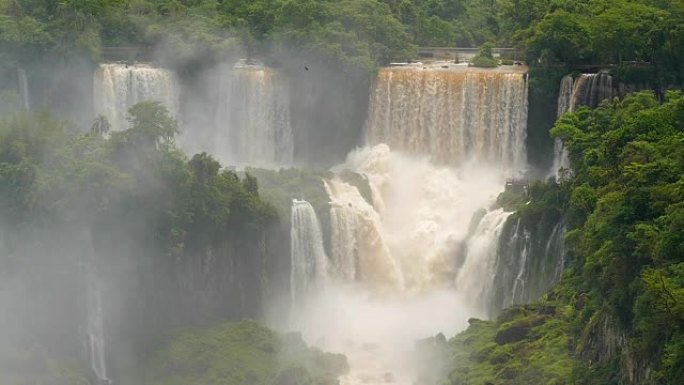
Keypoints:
pixel 518 185
pixel 463 54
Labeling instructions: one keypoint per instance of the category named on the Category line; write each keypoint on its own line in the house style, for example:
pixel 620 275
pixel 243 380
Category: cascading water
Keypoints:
pixel 309 264
pixel 252 122
pixel 531 260
pixel 565 101
pixel 94 325
pixel 591 89
pixel 475 277
pixel 117 87
pixel 359 249
pixel 408 262
pixel 95 328
pixel 22 83
pixel 451 114
pixel 394 262
pixel 586 90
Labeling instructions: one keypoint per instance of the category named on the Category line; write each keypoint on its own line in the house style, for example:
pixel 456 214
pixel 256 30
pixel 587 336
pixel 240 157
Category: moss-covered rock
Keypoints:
pixel 525 345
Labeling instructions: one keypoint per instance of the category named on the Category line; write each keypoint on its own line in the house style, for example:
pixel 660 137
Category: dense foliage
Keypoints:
pixel 356 32
pixel 48 169
pixel 626 208
pixel 133 207
pixel 618 311
pixel 242 353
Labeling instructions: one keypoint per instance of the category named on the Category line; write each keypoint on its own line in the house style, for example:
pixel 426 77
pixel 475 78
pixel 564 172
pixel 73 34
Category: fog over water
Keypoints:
pixel 420 257
pixel 410 252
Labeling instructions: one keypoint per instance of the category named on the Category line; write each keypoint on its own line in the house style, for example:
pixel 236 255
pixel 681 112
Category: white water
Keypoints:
pixel 309 264
pixel 586 89
pixel 398 272
pixel 476 276
pixel 565 104
pixel 453 115
pixel 518 292
pixel 117 87
pixel 556 244
pixel 252 122
pixel 95 338
pixel 360 251
pixel 393 276
pixel 23 88
pixel 95 330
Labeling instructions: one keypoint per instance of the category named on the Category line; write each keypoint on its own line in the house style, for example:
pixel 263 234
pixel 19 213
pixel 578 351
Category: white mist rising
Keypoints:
pixel 415 253
pixel 378 334
pixel 395 275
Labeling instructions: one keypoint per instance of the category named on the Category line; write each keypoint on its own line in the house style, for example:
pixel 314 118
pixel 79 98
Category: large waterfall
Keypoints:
pixel 421 250
pixel 309 264
pixel 453 114
pixel 394 262
pixel 117 87
pixel 252 122
pixel 585 90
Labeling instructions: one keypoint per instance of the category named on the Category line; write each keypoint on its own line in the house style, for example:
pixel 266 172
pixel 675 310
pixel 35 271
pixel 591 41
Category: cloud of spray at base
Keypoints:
pixel 378 335
pixel 426 210
pixel 425 213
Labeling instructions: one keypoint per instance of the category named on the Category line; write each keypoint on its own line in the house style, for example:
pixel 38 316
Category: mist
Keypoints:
pixel 404 250
pixel 378 334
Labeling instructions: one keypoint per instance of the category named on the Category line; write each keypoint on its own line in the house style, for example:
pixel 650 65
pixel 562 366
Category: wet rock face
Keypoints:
pixel 511 334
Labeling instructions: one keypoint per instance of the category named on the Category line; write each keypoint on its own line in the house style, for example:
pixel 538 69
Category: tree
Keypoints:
pixel 150 124
pixel 559 36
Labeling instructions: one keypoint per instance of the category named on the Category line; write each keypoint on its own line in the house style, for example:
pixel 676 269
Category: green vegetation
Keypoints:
pixel 281 187
pixel 484 58
pixel 48 169
pixel 525 345
pixel 132 204
pixel 355 33
pixel 617 313
pixel 240 354
pixel 618 309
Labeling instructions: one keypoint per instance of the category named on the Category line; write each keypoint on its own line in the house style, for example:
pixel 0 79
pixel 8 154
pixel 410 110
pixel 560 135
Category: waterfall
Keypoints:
pixel 565 101
pixel 441 144
pixel 95 328
pixel 454 115
pixel 555 246
pixel 253 117
pixel 309 264
pixel 475 278
pixel 359 249
pixel 530 262
pixel 591 89
pixel 588 90
pixel 117 87
pixel 94 325
pixel 22 83
pixel 405 241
